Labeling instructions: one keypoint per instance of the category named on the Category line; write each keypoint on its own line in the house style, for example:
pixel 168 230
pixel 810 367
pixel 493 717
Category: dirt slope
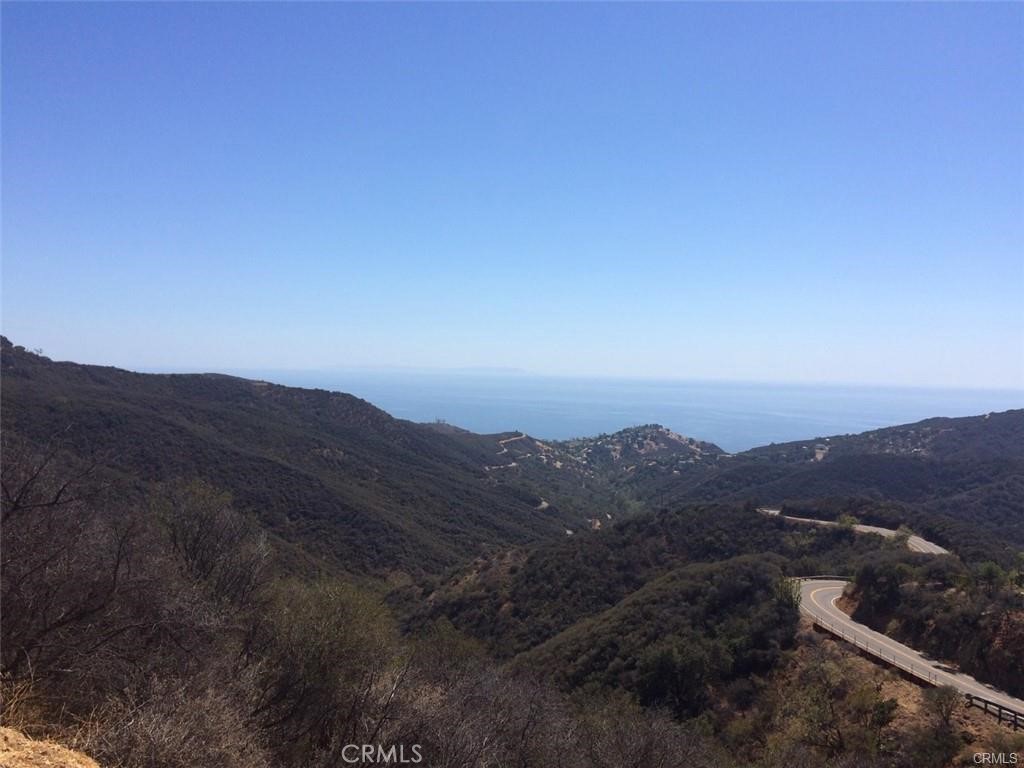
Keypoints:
pixel 18 751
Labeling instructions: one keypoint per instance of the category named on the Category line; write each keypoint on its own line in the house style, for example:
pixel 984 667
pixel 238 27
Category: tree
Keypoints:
pixel 218 545
pixel 787 593
pixel 328 665
pixel 1018 571
pixel 903 534
pixel 64 567
pixel 991 576
pixel 936 743
pixel 847 522
pixel 942 703
pixel 819 711
pixel 674 675
pixel 873 714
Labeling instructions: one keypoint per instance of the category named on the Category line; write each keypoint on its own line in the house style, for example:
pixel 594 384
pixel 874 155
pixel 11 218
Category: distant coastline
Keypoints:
pixel 734 415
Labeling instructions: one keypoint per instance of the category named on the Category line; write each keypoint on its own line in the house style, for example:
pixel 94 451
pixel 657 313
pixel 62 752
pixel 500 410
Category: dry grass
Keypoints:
pixel 19 751
pixel 20 707
pixel 979 731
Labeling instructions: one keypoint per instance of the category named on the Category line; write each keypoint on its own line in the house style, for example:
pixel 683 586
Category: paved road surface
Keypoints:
pixel 818 600
pixel 914 543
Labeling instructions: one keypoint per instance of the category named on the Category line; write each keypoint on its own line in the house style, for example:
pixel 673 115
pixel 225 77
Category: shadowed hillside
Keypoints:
pixel 262 572
pixel 351 484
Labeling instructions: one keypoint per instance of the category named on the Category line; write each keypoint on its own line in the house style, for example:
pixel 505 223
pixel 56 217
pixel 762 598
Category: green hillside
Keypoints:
pixel 264 572
pixel 330 472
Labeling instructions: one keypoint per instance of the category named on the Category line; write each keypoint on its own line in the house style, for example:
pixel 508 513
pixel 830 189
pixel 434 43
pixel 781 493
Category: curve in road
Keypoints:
pixel 914 543
pixel 818 600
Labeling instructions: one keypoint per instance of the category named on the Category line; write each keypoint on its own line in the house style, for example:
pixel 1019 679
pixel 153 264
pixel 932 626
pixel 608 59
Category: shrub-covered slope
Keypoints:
pixel 323 470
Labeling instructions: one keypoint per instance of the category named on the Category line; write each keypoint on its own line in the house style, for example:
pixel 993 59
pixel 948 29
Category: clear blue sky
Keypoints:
pixel 765 192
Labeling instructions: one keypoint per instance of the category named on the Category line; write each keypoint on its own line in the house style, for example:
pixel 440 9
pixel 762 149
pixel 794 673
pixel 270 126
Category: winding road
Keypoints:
pixel 914 543
pixel 504 450
pixel 818 598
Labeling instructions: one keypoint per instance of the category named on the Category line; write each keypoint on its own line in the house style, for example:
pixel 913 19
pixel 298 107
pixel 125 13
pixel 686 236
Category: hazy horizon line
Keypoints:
pixel 517 372
pixel 513 372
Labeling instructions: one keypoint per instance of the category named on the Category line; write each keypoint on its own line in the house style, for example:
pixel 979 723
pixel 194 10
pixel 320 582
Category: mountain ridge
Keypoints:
pixel 363 490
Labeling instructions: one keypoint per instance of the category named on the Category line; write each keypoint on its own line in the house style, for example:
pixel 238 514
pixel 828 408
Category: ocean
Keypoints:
pixel 735 416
